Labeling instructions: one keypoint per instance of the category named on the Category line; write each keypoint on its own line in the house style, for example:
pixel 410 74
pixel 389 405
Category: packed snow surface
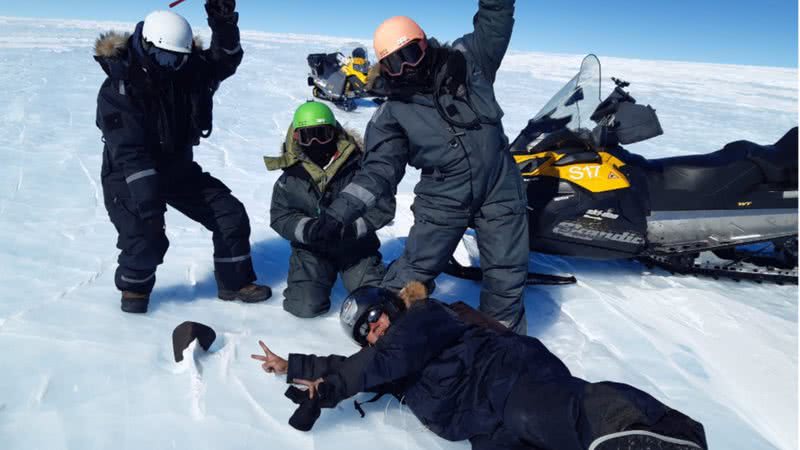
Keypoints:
pixel 77 373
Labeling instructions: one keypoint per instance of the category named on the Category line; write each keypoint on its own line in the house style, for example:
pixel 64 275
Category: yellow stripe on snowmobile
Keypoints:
pixel 594 177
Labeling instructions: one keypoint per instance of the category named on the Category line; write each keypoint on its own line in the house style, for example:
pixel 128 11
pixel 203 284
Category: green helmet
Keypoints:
pixel 312 114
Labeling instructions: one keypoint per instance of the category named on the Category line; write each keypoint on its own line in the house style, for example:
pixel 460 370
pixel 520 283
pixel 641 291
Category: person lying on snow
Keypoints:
pixel 152 109
pixel 318 159
pixel 441 116
pixel 466 376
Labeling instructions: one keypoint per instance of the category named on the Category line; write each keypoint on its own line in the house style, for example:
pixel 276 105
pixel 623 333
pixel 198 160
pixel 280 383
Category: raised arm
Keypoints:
pixel 122 124
pixel 488 43
pixel 225 53
pixel 382 168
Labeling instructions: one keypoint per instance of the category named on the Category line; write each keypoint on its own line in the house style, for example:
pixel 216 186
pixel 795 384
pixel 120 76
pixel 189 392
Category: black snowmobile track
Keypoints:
pixel 476 274
pixel 733 270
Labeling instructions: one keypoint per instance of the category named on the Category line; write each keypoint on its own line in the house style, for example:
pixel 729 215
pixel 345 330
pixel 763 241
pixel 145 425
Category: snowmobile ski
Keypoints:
pixel 534 279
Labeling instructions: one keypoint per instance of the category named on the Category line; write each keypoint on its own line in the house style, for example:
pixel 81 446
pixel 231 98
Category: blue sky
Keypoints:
pixel 751 32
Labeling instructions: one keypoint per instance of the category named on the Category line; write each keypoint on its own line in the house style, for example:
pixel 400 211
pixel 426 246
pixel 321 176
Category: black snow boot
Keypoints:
pixel 252 293
pixel 135 302
pixel 641 440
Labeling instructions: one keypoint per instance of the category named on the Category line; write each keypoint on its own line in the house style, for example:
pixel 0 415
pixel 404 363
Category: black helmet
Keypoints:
pixel 357 307
pixel 359 52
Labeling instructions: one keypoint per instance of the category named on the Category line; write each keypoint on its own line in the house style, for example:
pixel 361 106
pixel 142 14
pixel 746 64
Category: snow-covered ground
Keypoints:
pixel 76 373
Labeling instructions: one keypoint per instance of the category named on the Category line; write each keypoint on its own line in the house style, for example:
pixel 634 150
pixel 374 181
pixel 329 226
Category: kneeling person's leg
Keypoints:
pixel 310 280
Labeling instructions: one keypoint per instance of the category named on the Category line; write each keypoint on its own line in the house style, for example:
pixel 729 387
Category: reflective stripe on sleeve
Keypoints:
pixel 233 51
pixel 361 227
pixel 299 230
pixel 360 193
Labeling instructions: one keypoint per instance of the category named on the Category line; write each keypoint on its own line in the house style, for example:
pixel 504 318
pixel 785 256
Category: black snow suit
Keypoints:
pixel 150 121
pixel 299 196
pixel 500 390
pixel 469 178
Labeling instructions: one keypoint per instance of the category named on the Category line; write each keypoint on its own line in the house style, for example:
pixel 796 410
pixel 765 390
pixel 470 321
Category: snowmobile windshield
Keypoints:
pixel 578 99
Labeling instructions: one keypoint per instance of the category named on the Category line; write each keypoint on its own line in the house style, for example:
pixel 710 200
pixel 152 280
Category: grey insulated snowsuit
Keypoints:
pixel 469 178
pixel 301 193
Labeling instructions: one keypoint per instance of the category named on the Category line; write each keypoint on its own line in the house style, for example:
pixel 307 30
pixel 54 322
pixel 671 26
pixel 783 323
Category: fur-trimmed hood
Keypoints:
pixel 111 44
pixel 350 142
pixel 414 293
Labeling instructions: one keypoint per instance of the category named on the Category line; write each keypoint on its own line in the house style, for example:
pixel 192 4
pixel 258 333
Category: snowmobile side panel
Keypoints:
pixel 682 231
pixel 566 219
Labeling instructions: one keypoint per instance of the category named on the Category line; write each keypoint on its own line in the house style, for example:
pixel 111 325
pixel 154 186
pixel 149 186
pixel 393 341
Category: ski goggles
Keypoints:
pixel 373 316
pixel 409 56
pixel 322 134
pixel 165 59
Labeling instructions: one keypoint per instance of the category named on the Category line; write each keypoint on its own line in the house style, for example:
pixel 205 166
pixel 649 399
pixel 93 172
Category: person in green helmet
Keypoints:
pixel 319 158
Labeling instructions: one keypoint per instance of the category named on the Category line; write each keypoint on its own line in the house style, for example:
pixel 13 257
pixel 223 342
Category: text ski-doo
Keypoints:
pixel 727 214
pixel 339 79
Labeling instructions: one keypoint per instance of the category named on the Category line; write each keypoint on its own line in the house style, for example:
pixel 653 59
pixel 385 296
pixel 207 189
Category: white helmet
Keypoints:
pixel 169 31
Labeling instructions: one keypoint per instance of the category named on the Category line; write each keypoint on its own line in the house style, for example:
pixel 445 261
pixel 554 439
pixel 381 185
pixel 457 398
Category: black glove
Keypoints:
pixel 153 227
pixel 220 9
pixel 326 228
pixel 307 413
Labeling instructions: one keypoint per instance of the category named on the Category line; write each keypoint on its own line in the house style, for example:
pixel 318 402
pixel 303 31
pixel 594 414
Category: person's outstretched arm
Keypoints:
pixel 225 53
pixel 488 43
pixel 376 217
pixel 382 168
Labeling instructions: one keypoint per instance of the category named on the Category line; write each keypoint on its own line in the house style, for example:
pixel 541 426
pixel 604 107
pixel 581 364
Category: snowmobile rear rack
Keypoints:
pixel 534 279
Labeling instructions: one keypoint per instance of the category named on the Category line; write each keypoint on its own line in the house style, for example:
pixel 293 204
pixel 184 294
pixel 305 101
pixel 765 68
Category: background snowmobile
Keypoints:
pixel 589 197
pixel 339 79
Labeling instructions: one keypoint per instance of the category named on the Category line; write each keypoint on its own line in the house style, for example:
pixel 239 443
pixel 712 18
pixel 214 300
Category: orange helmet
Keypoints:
pixel 394 33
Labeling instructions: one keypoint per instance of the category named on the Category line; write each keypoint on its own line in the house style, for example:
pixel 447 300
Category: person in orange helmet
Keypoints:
pixel 442 117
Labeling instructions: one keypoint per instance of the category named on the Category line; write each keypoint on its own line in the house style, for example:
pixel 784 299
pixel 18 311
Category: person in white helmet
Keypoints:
pixel 153 108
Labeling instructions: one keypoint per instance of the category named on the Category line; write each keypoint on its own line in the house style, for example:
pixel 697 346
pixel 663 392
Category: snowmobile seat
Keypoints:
pixel 742 163
pixel 702 179
pixel 738 168
pixel 779 161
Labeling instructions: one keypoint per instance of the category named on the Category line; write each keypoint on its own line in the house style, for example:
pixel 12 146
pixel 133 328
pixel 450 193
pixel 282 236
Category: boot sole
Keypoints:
pixel 230 296
pixel 134 306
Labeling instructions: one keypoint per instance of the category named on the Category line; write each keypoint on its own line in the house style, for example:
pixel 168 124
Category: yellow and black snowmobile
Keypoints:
pixel 339 79
pixel 727 214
